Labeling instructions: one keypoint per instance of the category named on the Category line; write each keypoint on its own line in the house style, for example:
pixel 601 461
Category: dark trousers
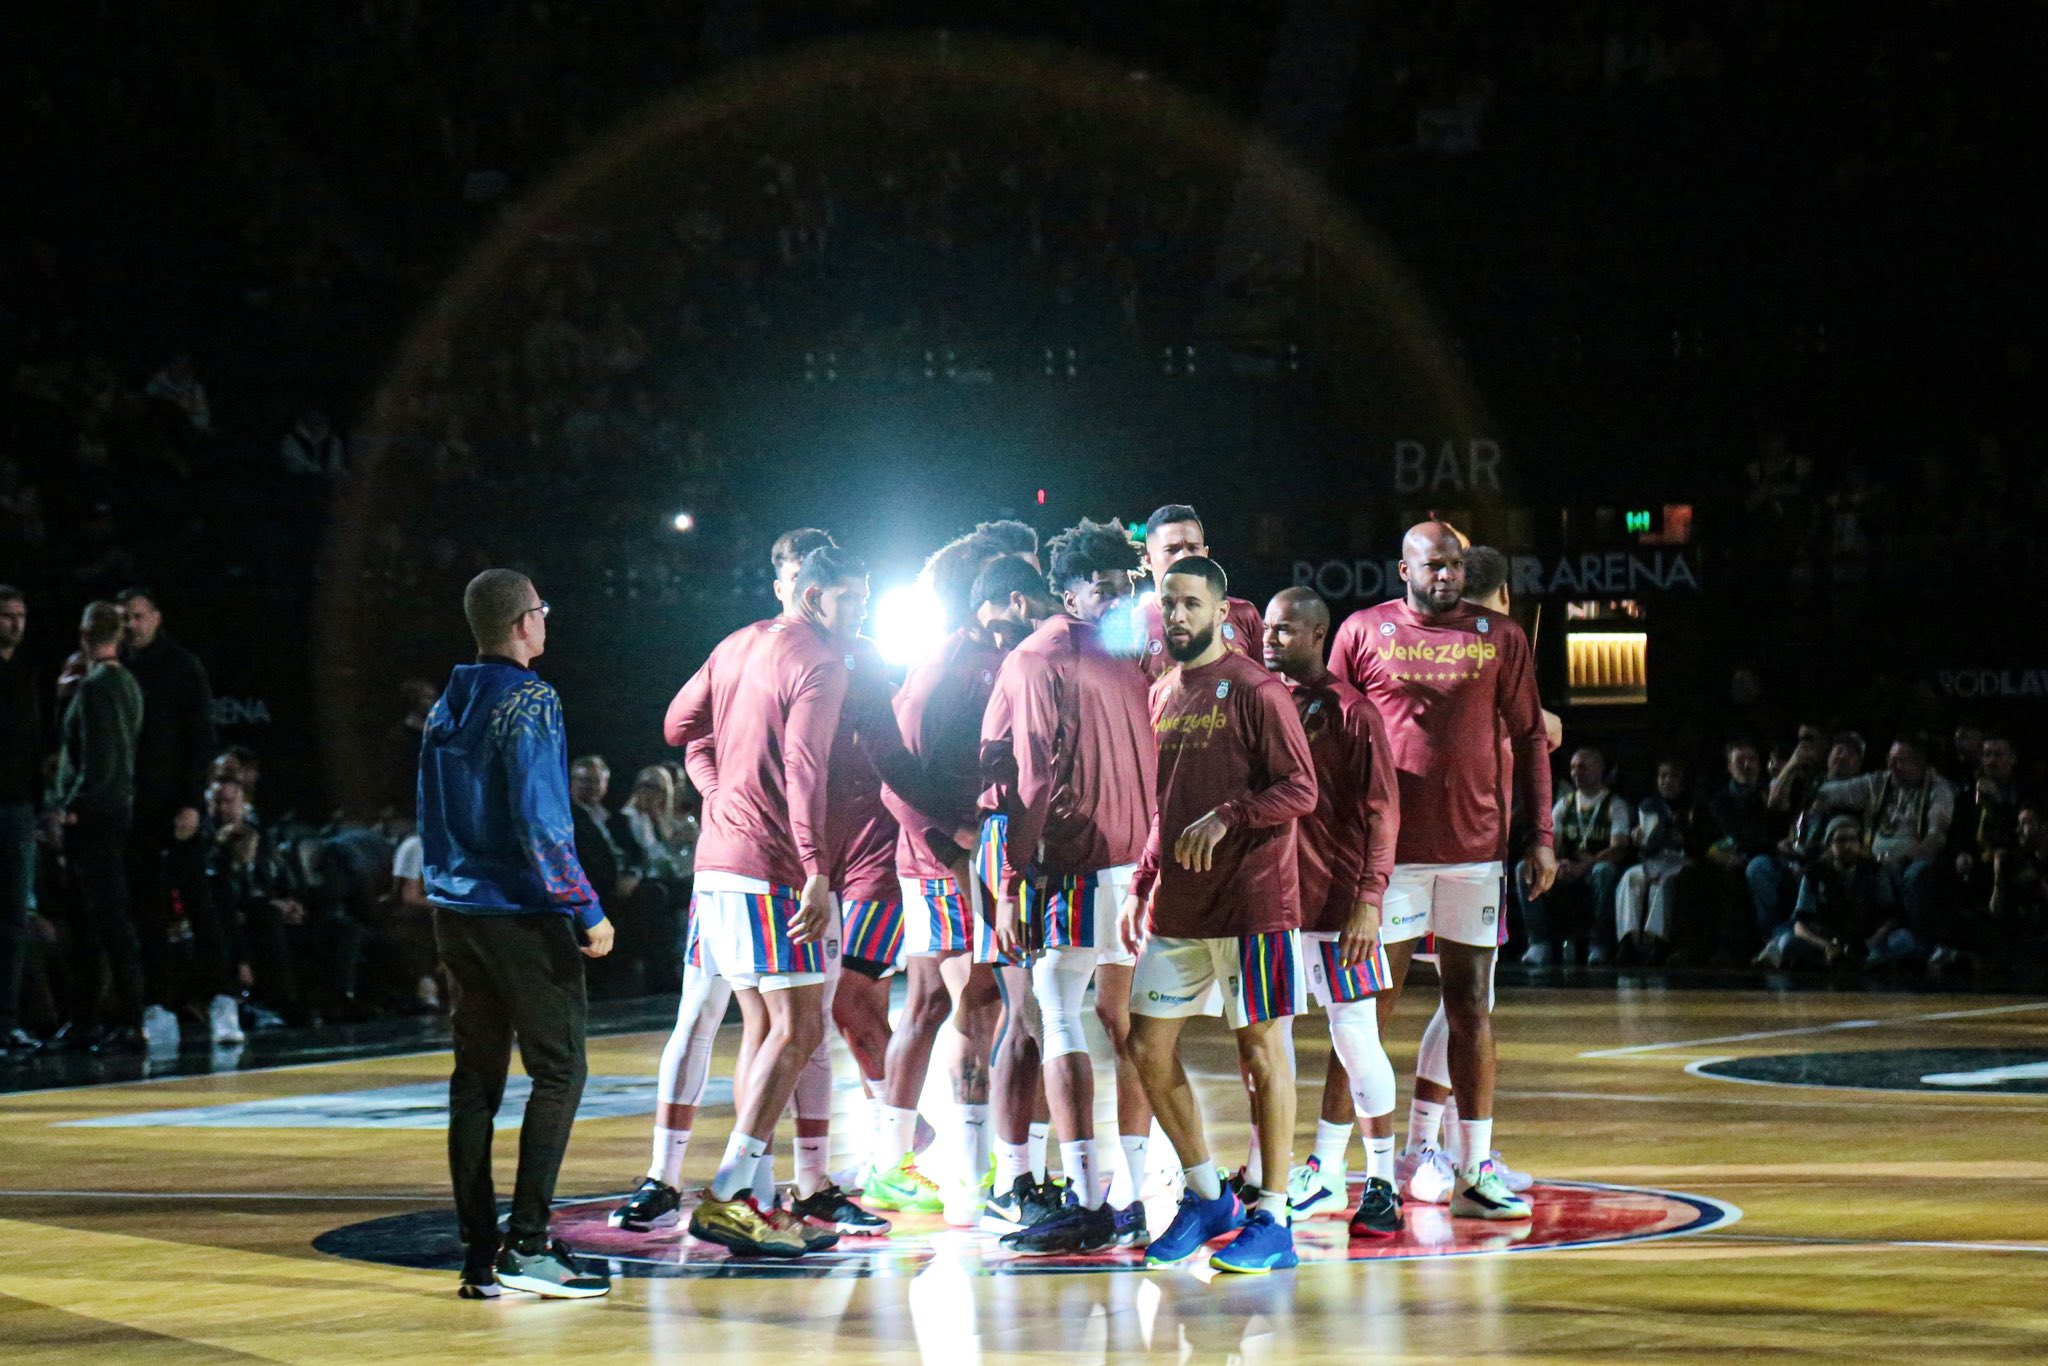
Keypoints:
pixel 511 977
pixel 17 889
pixel 167 881
pixel 102 931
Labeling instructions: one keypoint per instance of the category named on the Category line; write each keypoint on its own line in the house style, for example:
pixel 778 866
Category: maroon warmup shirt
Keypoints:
pixel 1067 754
pixel 1229 742
pixel 939 711
pixel 1450 689
pixel 1244 627
pixel 771 694
pixel 1345 847
pixel 863 830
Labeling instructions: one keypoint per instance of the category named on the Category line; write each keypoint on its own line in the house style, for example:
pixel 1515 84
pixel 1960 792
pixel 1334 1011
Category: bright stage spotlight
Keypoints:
pixel 908 623
pixel 683 521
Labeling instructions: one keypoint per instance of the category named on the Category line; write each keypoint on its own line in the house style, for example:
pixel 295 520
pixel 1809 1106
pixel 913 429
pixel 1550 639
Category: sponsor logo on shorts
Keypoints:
pixel 1486 915
pixel 1407 918
pixel 1167 998
pixel 1232 987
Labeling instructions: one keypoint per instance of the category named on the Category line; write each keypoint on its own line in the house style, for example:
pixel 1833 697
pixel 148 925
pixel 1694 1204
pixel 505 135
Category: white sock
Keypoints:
pixel 1204 1179
pixel 764 1178
pixel 971 1143
pixel 671 1146
pixel 1425 1119
pixel 1078 1158
pixel 812 1154
pixel 1275 1204
pixel 1332 1142
pixel 1037 1145
pixel 736 1170
pixel 893 1136
pixel 1012 1161
pixel 1379 1158
pixel 1477 1137
pixel 1128 1182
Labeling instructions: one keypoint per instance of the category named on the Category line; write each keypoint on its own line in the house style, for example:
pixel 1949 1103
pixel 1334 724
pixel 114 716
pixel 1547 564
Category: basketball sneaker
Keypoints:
pixel 1312 1191
pixel 1424 1175
pixel 225 1017
pixel 1518 1182
pixel 816 1237
pixel 1004 1212
pixel 964 1202
pixel 1076 1228
pixel 1264 1244
pixel 903 1187
pixel 1245 1189
pixel 653 1205
pixel 479 1275
pixel 1379 1211
pixel 740 1226
pixel 1195 1223
pixel 831 1207
pixel 547 1269
pixel 1482 1194
pixel 1130 1225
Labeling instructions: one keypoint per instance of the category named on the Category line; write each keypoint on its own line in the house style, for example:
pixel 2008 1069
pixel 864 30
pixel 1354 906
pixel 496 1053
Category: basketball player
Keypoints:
pixel 940 709
pixel 1344 853
pixel 1172 534
pixel 1234 775
pixel 770 699
pixel 1448 679
pixel 1069 747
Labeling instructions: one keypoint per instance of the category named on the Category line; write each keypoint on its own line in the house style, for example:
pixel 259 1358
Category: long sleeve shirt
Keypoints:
pixel 178 740
pixel 1067 753
pixel 1450 690
pixel 1229 742
pixel 1345 847
pixel 939 711
pixel 1898 821
pixel 96 764
pixel 863 831
pixel 764 709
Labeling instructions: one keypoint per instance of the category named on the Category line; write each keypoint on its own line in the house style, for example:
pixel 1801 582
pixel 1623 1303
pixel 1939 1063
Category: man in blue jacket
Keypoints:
pixel 512 912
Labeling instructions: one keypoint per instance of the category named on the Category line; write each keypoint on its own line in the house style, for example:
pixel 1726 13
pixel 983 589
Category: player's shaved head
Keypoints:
pixel 1433 567
pixel 1297 624
pixel 1304 605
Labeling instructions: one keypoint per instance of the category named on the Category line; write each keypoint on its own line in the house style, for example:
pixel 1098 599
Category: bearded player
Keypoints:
pixel 1172 534
pixel 1224 905
pixel 1345 853
pixel 1449 679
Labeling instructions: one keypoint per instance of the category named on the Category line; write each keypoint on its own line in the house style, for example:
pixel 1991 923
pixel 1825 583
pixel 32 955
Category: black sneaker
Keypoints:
pixel 550 1272
pixel 833 1208
pixel 18 1041
pixel 1047 1198
pixel 652 1206
pixel 479 1275
pixel 1076 1228
pixel 1004 1212
pixel 1247 1192
pixel 1379 1211
pixel 1130 1225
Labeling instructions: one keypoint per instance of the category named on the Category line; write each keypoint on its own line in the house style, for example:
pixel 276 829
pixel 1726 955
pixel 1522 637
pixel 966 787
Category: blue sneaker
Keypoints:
pixel 1265 1245
pixel 1195 1223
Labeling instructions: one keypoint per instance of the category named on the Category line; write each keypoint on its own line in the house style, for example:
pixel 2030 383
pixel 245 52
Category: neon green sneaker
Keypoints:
pixel 904 1188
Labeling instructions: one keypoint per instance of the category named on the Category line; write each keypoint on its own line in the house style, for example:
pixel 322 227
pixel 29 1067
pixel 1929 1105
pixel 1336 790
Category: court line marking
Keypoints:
pixel 1633 1049
pixel 436 1196
pixel 1923 1243
pixel 1707 1098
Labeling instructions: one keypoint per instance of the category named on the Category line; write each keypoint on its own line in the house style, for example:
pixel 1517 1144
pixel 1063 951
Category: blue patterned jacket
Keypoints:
pixel 496 830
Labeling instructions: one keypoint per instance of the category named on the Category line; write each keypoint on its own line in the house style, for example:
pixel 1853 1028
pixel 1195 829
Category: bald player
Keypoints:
pixel 1449 679
pixel 1344 851
pixel 1172 534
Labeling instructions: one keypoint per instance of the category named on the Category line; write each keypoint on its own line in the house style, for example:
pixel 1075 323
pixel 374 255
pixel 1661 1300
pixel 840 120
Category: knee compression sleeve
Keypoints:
pixel 686 1057
pixel 1059 979
pixel 1433 1057
pixel 1355 1034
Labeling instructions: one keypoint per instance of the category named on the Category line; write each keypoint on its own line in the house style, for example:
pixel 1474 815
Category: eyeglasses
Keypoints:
pixel 540 607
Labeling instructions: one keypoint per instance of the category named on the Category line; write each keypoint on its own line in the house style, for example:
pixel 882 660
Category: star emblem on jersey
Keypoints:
pixel 1386 628
pixel 1223 689
pixel 1482 626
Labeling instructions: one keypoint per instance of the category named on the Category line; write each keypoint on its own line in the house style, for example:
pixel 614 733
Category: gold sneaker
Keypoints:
pixel 815 1238
pixel 739 1226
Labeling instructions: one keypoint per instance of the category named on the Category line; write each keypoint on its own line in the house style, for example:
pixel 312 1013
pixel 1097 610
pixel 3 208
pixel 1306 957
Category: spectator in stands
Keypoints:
pixel 258 896
pixel 1906 811
pixel 1671 834
pixel 1987 816
pixel 1796 789
pixel 409 900
pixel 402 748
pixel 612 860
pixel 312 450
pixel 1846 906
pixel 665 837
pixel 1745 830
pixel 166 860
pixel 1595 831
pixel 178 385
pixel 2019 889
pixel 1968 746
pixel 23 743
pixel 91 807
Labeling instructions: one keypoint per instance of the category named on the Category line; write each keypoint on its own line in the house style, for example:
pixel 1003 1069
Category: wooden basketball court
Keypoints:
pixel 1858 1175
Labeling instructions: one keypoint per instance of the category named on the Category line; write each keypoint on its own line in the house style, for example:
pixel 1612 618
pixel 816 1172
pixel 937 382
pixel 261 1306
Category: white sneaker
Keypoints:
pixel 1515 1181
pixel 159 1028
pixel 227 1020
pixel 964 1204
pixel 1424 1175
pixel 1538 956
pixel 1312 1191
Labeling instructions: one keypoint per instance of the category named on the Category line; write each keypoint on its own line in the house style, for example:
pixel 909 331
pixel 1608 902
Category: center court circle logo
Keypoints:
pixel 1942 1071
pixel 1568 1214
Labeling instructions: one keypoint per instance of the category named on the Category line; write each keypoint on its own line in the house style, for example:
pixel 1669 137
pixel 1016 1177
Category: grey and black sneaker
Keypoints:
pixel 1047 1198
pixel 833 1208
pixel 479 1275
pixel 550 1271
pixel 1246 1191
pixel 654 1205
pixel 1131 1230
pixel 1076 1228
pixel 1379 1210
pixel 1004 1212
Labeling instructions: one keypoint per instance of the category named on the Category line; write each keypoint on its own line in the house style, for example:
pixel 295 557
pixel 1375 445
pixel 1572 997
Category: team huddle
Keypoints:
pixel 1182 802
